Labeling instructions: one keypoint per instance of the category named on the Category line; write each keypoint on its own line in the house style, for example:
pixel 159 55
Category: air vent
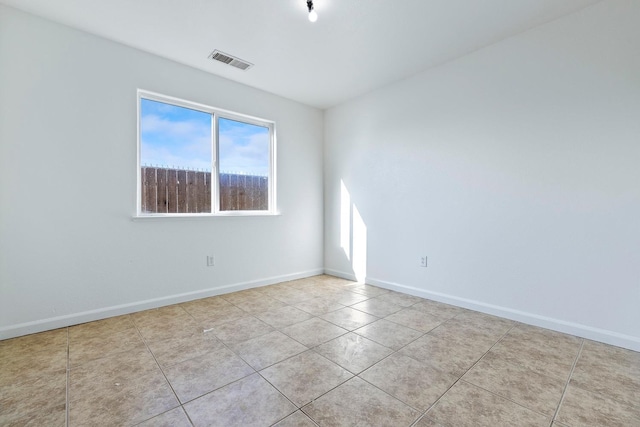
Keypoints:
pixel 225 58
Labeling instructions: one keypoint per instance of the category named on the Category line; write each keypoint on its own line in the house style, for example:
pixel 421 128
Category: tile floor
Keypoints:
pixel 318 351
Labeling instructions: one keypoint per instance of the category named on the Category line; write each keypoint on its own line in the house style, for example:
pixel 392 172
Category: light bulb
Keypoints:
pixel 313 16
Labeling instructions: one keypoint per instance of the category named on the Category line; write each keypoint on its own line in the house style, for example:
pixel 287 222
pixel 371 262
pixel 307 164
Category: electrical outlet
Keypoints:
pixel 423 261
pixel 209 260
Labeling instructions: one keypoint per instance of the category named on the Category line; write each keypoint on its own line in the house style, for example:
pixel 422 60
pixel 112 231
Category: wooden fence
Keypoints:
pixel 165 190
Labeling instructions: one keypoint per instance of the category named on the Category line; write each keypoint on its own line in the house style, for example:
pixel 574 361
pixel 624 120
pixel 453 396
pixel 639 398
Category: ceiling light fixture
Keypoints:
pixel 313 16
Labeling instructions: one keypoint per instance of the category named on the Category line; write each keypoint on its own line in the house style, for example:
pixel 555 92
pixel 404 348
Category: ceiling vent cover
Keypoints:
pixel 225 58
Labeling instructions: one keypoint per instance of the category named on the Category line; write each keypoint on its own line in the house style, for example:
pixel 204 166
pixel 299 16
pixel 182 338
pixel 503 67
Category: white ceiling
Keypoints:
pixel 355 46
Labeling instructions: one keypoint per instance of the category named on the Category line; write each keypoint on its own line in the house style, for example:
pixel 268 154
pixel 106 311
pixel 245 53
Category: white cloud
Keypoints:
pixel 250 155
pixel 183 144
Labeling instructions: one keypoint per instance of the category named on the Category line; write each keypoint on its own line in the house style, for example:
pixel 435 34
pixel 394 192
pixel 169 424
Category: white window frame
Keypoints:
pixel 216 113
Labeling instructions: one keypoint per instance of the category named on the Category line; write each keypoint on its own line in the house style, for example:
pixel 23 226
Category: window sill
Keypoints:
pixel 201 216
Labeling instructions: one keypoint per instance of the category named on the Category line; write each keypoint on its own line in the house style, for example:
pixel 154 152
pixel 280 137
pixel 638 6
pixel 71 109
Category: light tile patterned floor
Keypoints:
pixel 318 351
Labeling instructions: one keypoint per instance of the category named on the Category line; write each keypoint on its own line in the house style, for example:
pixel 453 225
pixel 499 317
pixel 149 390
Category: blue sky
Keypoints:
pixel 178 137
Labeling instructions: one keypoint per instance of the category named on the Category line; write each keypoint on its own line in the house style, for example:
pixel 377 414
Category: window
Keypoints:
pixel 198 160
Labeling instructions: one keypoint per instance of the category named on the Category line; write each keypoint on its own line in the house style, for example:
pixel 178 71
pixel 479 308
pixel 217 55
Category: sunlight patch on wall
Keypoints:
pixel 353 234
pixel 359 263
pixel 345 220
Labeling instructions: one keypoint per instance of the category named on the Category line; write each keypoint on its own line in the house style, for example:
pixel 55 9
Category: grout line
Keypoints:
pixel 465 372
pixel 394 352
pixel 161 370
pixel 187 415
pixel 511 400
pixel 421 415
pixel 566 386
pixel 421 412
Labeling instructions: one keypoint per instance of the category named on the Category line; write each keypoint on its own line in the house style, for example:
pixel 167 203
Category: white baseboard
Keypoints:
pixel 595 334
pixel 103 313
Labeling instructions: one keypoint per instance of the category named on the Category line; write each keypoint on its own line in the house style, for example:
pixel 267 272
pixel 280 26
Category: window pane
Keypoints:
pixel 244 161
pixel 175 158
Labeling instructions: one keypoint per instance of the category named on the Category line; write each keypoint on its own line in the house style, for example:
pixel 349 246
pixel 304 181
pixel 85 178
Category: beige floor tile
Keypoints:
pixel 513 374
pixel 32 396
pixel 84 348
pixel 274 290
pixel 358 403
pixel 260 304
pixel 353 352
pixel 215 301
pixel 169 327
pixel 318 306
pixel 448 356
pixel 291 295
pixel 173 418
pixel 175 350
pixel 544 337
pixel 467 405
pixel 241 330
pixel 610 371
pixel 437 309
pixel 416 384
pixel 305 377
pixel 120 368
pixel 283 316
pixel 377 306
pixel 23 365
pixel 427 422
pixel 241 296
pixel 344 297
pixel 171 330
pixel 546 360
pixel 195 377
pixel 103 327
pixel 364 289
pixel 517 383
pixel 398 298
pixel 268 349
pixel 620 360
pixel 332 280
pixel 50 417
pixel 307 281
pixel 221 316
pixel 51 341
pixel 314 332
pixel 249 402
pixel 206 308
pixel 323 289
pixel 492 326
pixel 168 314
pixel 389 334
pixel 32 355
pixel 458 331
pixel 296 283
pixel 584 408
pixel 306 285
pixel 297 419
pixel 620 357
pixel 414 319
pixel 349 318
pixel 124 404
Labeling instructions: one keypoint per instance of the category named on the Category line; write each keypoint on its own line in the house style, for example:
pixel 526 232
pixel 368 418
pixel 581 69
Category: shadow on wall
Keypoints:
pixel 353 235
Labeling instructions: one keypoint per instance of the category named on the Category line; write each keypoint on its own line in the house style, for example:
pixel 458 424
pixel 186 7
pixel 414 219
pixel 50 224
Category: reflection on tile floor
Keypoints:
pixel 320 351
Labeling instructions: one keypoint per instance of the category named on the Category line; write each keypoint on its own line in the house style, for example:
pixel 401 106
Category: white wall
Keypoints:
pixel 516 169
pixel 69 249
